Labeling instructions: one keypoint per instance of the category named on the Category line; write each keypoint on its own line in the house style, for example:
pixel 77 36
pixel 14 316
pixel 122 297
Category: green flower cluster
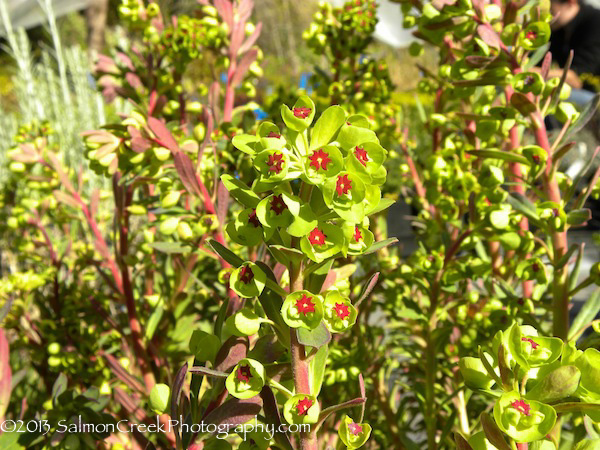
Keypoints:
pixel 533 379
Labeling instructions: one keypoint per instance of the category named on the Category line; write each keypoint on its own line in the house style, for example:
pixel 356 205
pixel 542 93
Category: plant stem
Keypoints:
pixel 300 367
pixel 560 285
pixel 431 366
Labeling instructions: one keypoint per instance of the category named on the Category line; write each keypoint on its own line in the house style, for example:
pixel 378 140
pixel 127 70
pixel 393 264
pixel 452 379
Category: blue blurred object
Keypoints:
pixel 303 84
pixel 260 114
pixel 223 77
pixel 580 97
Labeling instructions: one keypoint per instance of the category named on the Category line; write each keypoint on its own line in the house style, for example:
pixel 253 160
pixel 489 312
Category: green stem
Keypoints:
pixel 431 368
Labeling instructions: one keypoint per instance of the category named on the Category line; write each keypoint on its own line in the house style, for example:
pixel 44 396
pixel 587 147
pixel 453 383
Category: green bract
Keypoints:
pixel 531 350
pixel 245 322
pixel 301 408
pixel 589 365
pixel 247 379
pixel 353 435
pixel 474 373
pixel 322 242
pixel 300 116
pixel 248 280
pixel 159 397
pixel 301 309
pixel 339 314
pixel 523 420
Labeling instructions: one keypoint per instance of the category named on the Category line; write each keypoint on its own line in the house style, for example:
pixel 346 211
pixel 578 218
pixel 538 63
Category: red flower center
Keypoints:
pixel 305 305
pixel 531 35
pixel 534 344
pixel 361 155
pixel 354 428
pixel 303 406
pixel 278 205
pixel 253 219
pixel 344 185
pixel 342 310
pixel 302 113
pixel 535 267
pixel 521 406
pixel 316 237
pixel 275 162
pixel 243 373
pixel 319 159
pixel 246 275
pixel 536 159
pixel 272 134
pixel 357 234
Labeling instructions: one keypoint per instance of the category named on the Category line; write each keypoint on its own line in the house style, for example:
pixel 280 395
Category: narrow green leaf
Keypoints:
pixel 499 154
pixel 225 253
pixel 588 312
pixel 492 432
pixel 380 244
pixel 153 322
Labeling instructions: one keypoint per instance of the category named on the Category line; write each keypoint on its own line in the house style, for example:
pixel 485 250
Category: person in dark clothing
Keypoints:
pixel 576 26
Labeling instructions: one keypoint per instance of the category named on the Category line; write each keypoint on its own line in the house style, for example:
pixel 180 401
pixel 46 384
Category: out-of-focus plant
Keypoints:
pixel 107 286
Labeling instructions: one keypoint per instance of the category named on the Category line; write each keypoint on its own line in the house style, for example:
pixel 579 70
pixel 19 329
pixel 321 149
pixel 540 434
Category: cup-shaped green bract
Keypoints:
pixel 537 157
pixel 246 380
pixel 339 313
pixel 588 444
pixel 523 420
pixel 358 238
pixel 247 229
pixel 589 365
pixel 248 280
pixel 553 215
pixel 366 160
pixel 474 373
pixel 531 350
pixel 244 322
pixel 560 383
pixel 355 132
pixel 322 242
pixel 270 136
pixel 159 397
pixel 300 116
pixel 273 165
pixel 302 309
pixel 301 408
pixel 534 35
pixel 273 211
pixel 204 346
pixel 323 163
pixel 528 82
pixel 532 269
pixel 352 434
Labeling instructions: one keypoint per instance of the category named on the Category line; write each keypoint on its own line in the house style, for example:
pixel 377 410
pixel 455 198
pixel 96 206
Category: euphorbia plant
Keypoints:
pixel 317 184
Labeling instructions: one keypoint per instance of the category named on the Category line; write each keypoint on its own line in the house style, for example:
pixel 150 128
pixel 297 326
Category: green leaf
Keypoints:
pixel 304 222
pixel 350 136
pixel 384 204
pixel 589 311
pixel 225 253
pixel 522 103
pixel 317 337
pixel 153 322
pixel 562 382
pixel 245 142
pixel 170 247
pixel 318 366
pixel 579 216
pixel 327 126
pixel 570 407
pixel 585 116
pixel 523 205
pixel 492 432
pixel 240 191
pixel 501 155
pixel 381 244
